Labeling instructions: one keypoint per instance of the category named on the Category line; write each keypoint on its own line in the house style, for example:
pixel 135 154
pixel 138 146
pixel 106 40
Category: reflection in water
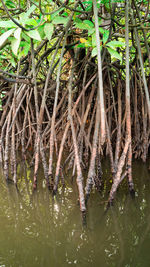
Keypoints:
pixel 41 230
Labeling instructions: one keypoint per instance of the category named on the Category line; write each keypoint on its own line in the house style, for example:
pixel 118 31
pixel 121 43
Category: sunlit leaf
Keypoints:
pixel 56 13
pixel 82 45
pixel 4 37
pixel 94 52
pixel 17 33
pixel 93 39
pixel 114 53
pixel 16 41
pixel 7 24
pixel 25 37
pixel 83 40
pixel 88 23
pixel 10 4
pixel 12 61
pixel 24 17
pixel 30 10
pixel 86 42
pixel 101 30
pixel 113 44
pixel 48 29
pixel 26 48
pixel 77 20
pixel 105 36
pixel 32 22
pixel 60 20
pixel 91 31
pixel 81 26
pixel 15 45
pixel 41 31
pixel 34 35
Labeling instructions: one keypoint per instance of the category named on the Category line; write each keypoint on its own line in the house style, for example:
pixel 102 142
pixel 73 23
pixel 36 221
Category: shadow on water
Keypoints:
pixel 39 229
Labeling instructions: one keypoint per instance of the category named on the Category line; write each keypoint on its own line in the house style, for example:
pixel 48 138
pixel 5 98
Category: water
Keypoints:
pixel 37 230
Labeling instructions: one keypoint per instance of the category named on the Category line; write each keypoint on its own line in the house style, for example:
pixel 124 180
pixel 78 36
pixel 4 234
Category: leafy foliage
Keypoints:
pixel 41 26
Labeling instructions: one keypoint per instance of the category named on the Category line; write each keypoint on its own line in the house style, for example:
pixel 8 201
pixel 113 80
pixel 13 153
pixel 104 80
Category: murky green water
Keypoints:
pixel 37 230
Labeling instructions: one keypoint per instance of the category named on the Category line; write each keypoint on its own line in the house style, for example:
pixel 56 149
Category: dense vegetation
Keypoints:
pixel 75 80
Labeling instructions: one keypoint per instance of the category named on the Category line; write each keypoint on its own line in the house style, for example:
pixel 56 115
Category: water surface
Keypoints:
pixel 39 230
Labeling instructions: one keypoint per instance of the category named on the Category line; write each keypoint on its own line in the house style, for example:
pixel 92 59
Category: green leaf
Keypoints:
pixel 34 35
pixel 30 10
pixel 81 26
pixel 88 5
pixel 93 39
pixel 17 33
pixel 94 52
pixel 57 12
pixel 10 4
pixel 7 24
pixel 91 31
pixel 3 56
pixel 16 41
pixel 31 22
pixel 26 48
pixel 113 44
pixel 101 30
pixel 87 43
pixel 88 23
pixel 77 20
pixel 60 20
pixel 105 36
pixel 65 14
pixel 48 29
pixel 4 37
pixel 114 53
pixel 15 45
pixel 85 25
pixel 12 61
pixel 41 31
pixel 81 45
pixel 24 17
pixel 25 37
